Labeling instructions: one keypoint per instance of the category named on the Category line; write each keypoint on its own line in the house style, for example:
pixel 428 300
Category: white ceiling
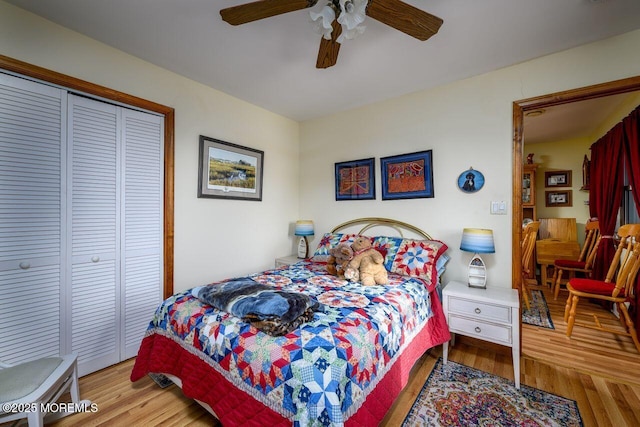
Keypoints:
pixel 574 120
pixel 271 63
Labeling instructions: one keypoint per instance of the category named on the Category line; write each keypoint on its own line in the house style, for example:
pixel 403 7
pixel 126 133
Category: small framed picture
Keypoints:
pixel 407 176
pixel 558 198
pixel 355 180
pixel 470 181
pixel 229 171
pixel 557 179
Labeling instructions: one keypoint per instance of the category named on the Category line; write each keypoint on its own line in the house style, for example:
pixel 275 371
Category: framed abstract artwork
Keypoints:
pixel 229 171
pixel 355 180
pixel 407 176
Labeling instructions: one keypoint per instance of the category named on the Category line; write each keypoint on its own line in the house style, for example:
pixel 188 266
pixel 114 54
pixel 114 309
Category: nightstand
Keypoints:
pixel 287 260
pixel 488 314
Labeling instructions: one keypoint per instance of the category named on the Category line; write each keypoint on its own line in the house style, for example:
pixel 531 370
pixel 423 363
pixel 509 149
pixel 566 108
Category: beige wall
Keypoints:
pixel 562 155
pixel 569 155
pixel 214 239
pixel 467 123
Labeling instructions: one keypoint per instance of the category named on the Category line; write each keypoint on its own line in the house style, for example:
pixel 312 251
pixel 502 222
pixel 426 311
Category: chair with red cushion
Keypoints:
pixel 617 288
pixel 584 263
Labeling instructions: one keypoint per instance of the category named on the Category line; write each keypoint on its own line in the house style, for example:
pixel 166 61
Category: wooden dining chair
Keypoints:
pixel 583 264
pixel 527 244
pixel 617 288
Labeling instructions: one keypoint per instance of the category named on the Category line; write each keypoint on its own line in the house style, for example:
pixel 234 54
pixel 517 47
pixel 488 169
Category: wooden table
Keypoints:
pixel 549 250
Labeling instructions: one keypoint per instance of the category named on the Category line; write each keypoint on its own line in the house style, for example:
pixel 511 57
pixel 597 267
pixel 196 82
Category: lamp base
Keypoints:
pixel 477 273
pixel 303 247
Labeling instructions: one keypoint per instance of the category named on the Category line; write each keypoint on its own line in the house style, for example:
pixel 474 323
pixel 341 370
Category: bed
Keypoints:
pixel 345 365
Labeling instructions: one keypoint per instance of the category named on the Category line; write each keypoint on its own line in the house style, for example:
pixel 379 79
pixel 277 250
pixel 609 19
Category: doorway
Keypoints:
pixel 520 108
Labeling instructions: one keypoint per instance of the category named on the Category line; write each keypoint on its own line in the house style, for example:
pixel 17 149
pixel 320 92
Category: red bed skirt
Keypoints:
pixel 234 407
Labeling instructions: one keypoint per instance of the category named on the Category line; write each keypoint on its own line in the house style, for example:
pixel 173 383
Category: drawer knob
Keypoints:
pixel 477 310
pixel 95 258
pixel 25 265
pixel 478 330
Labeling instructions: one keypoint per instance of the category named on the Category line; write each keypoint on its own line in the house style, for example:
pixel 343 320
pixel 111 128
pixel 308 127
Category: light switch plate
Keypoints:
pixel 498 208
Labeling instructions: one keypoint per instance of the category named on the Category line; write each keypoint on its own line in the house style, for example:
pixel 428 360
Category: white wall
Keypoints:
pixel 466 123
pixel 214 238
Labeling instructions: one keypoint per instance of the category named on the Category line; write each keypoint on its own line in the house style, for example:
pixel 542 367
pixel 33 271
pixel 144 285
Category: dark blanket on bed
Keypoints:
pixel 270 310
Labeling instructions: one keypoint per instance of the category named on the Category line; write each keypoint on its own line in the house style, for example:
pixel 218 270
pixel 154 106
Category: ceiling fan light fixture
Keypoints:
pixel 350 34
pixel 323 20
pixel 352 14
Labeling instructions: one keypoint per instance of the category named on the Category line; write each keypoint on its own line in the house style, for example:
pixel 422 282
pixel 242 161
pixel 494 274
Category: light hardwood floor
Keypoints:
pixel 600 372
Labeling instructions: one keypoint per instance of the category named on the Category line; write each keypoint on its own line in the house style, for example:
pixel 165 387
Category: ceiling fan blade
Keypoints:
pixel 261 9
pixel 404 17
pixel 328 53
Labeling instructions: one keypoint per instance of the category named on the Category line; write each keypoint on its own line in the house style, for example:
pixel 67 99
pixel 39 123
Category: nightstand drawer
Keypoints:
pixel 480 310
pixel 500 334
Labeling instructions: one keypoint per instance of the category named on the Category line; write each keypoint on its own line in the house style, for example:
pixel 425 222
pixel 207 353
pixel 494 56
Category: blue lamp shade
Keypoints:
pixel 304 228
pixel 477 240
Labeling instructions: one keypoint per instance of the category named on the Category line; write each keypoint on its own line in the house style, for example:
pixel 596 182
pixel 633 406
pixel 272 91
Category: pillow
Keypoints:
pixel 328 241
pixel 388 246
pixel 419 258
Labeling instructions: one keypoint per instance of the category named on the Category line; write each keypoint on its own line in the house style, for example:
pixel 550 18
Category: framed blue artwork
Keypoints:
pixel 470 181
pixel 355 180
pixel 407 176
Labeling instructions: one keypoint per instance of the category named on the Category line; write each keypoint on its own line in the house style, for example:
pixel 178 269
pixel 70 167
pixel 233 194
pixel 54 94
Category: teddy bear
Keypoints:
pixel 367 264
pixel 339 256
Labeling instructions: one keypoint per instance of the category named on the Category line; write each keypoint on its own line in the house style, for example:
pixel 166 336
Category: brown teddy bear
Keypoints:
pixel 338 259
pixel 367 264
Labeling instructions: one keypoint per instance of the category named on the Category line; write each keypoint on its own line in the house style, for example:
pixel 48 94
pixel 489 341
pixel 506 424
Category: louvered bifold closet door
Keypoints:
pixel 31 134
pixel 93 203
pixel 143 224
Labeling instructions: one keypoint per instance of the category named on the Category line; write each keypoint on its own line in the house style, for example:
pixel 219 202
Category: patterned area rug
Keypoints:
pixel 538 314
pixel 456 395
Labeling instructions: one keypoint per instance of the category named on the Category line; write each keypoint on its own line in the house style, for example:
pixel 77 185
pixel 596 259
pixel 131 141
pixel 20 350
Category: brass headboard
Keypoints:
pixel 371 222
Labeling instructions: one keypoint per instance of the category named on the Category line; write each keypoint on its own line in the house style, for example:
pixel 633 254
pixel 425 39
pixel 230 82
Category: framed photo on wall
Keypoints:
pixel 557 179
pixel 407 176
pixel 355 180
pixel 229 171
pixel 558 198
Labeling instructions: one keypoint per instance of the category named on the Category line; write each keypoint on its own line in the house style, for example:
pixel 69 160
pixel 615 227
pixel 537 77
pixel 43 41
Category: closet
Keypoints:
pixel 81 224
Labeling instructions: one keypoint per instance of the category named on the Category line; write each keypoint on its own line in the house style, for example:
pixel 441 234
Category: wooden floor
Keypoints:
pixel 601 373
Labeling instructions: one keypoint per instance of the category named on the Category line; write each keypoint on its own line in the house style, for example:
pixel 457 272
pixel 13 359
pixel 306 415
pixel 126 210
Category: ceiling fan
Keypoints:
pixel 395 13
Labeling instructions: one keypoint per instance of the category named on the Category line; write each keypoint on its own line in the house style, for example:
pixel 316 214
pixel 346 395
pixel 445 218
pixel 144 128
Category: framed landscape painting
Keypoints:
pixel 229 171
pixel 355 180
pixel 407 176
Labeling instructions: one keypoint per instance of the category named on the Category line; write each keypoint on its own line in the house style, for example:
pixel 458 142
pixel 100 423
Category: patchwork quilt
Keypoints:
pixel 344 366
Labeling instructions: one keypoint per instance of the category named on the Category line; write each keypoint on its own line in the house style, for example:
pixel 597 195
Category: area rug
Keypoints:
pixel 538 314
pixel 457 395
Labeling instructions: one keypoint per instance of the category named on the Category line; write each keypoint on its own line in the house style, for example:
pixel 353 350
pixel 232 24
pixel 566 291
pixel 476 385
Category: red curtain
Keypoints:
pixel 632 154
pixel 605 193
pixel 631 126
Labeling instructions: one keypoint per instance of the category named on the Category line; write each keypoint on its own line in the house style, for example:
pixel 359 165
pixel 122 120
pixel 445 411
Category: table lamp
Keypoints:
pixel 477 240
pixel 304 228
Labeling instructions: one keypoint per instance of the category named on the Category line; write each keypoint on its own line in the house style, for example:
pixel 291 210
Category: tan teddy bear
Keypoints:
pixel 367 263
pixel 338 259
